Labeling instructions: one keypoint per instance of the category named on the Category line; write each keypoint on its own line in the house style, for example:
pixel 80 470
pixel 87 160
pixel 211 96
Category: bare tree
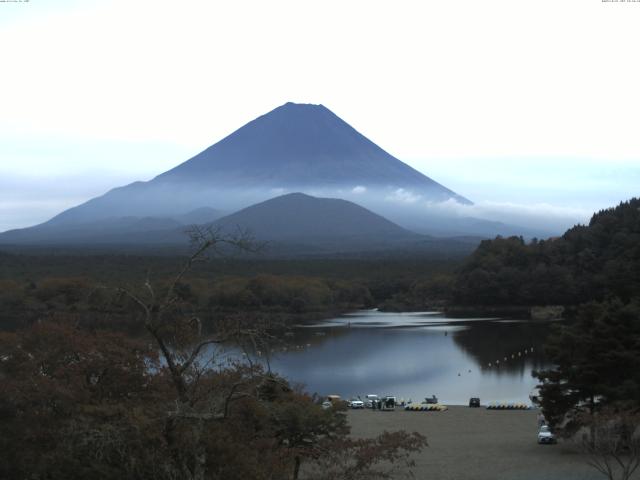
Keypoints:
pixel 613 443
pixel 299 427
pixel 181 343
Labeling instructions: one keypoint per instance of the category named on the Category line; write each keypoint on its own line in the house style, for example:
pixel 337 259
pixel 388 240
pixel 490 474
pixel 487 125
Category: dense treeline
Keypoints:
pixel 593 386
pixel 100 305
pixel 34 287
pixel 39 263
pixel 587 263
pixel 597 364
pixel 296 294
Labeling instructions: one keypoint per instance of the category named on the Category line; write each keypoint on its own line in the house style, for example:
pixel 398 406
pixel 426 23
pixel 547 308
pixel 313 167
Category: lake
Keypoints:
pixel 414 355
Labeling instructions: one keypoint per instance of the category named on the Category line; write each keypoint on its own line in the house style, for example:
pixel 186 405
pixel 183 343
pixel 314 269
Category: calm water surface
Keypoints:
pixel 414 355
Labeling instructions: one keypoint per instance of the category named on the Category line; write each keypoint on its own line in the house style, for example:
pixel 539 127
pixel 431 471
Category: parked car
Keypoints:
pixel 474 402
pixel 356 403
pixel 332 400
pixel 545 435
pixel 388 403
pixel 371 400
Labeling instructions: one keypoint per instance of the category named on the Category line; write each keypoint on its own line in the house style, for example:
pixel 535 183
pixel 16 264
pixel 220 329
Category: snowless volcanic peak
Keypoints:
pixel 294 148
pixel 303 145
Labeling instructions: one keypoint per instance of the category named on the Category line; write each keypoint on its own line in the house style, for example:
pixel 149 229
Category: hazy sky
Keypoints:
pixel 528 107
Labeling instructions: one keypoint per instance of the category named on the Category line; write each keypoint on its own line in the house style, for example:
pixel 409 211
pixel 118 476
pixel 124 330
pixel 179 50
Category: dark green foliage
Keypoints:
pixel 33 287
pixel 286 293
pixel 419 294
pixel 587 263
pixel 597 362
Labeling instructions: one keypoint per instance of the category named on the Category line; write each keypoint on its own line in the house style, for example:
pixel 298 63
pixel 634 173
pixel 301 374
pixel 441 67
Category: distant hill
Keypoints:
pixel 112 230
pixel 290 218
pixel 300 217
pixel 589 262
pixel 292 225
pixel 198 216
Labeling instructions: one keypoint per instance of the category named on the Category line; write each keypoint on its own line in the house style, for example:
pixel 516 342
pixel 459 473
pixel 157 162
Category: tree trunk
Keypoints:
pixel 296 468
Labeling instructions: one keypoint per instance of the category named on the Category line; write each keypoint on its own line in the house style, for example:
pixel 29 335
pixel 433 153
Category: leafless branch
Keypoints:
pixel 196 351
pixel 137 300
pixel 613 444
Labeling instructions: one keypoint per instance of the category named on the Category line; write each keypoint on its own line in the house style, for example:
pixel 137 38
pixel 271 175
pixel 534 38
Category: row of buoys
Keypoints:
pixel 513 356
pixel 508 406
pixel 425 407
pixel 284 349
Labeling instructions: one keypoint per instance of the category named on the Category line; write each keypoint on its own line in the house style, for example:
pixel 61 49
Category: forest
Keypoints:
pixel 41 285
pixel 589 262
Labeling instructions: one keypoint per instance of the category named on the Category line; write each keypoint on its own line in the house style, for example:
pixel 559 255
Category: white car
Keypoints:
pixel 545 435
pixel 356 403
pixel 371 398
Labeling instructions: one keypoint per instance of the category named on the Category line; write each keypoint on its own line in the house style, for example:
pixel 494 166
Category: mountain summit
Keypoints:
pixel 299 145
pixel 294 148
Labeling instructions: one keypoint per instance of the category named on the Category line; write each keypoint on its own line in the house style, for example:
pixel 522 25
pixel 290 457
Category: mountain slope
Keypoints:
pixel 296 147
pixel 302 145
pixel 296 218
pixel 121 230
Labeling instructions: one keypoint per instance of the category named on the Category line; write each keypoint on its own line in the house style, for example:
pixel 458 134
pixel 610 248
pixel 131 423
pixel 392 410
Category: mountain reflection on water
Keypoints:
pixel 414 355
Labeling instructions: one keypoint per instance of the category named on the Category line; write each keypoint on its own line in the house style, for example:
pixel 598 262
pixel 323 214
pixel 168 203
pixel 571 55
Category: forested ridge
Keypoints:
pixel 593 387
pixel 589 262
pixel 39 286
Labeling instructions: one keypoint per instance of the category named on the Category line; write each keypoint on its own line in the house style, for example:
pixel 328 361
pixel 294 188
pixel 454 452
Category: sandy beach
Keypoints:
pixel 479 444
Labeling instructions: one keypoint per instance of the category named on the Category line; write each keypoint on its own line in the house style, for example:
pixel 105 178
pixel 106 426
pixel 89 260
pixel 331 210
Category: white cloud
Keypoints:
pixel 358 190
pixel 542 216
pixel 403 196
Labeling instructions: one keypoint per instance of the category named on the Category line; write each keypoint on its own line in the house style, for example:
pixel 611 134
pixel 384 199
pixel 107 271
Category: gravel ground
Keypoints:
pixel 478 444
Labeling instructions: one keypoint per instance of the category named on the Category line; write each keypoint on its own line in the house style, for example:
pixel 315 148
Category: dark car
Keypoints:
pixel 474 402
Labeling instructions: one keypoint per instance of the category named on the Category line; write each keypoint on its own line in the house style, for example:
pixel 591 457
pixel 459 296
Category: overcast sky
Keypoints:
pixel 527 106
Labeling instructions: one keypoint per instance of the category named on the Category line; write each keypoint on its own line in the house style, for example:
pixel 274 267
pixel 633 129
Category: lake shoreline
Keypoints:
pixel 413 355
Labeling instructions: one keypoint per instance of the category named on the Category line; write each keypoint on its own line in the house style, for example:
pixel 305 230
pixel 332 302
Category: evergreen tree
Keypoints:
pixel 597 362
